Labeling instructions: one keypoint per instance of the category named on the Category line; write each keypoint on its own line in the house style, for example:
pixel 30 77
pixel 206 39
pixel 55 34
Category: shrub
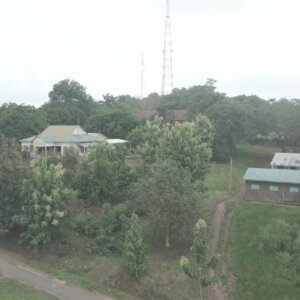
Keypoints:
pixel 45 204
pixel 133 255
pixel 105 233
pixel 276 236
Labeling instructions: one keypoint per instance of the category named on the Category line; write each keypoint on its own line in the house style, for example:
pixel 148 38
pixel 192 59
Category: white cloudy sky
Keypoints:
pixel 248 46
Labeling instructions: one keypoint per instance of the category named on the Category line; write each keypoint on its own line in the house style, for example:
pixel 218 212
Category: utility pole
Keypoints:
pixel 230 175
pixel 167 76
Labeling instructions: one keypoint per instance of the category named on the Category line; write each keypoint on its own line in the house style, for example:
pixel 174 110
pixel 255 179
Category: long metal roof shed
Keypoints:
pixel 273 175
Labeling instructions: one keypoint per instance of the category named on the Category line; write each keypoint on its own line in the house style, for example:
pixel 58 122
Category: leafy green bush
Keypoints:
pixel 45 201
pixel 86 223
pixel 133 255
pixel 276 236
pixel 113 224
pixel 105 233
pixel 283 240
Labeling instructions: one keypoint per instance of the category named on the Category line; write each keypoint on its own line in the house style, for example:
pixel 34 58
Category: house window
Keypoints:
pixel 254 186
pixel 273 188
pixel 294 189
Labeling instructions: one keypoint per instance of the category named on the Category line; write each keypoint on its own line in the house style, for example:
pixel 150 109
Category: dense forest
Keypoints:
pixel 109 198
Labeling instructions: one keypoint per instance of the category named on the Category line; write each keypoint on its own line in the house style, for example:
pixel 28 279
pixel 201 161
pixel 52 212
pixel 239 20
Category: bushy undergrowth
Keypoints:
pixel 105 233
pixel 282 239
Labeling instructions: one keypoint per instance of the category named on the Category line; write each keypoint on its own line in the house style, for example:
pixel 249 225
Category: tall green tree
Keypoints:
pixel 286 125
pixel 45 200
pixel 112 122
pixel 104 173
pixel 168 193
pixel 133 255
pixel 13 170
pixel 68 91
pixel 69 104
pixel 187 144
pixel 21 121
pixel 229 120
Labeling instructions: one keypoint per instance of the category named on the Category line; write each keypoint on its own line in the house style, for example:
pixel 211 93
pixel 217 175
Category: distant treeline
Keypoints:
pixel 235 119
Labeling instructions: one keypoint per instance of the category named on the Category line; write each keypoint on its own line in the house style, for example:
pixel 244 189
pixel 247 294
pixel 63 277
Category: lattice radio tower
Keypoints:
pixel 167 76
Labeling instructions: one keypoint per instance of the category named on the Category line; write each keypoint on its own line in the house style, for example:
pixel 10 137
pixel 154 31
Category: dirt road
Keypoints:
pixel 11 268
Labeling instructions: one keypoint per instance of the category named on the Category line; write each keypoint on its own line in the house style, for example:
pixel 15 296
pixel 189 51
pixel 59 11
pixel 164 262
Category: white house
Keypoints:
pixel 56 139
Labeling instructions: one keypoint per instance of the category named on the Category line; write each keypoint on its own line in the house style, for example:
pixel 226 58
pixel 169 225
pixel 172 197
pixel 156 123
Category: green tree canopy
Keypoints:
pixel 69 104
pixel 168 193
pixel 133 255
pixel 45 201
pixel 187 144
pixel 13 170
pixel 112 122
pixel 68 91
pixel 104 173
pixel 21 121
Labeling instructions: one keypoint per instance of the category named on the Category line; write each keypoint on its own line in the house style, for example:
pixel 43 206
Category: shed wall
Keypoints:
pixel 264 194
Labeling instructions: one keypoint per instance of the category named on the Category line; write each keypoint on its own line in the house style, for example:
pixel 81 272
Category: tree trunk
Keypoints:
pixel 167 239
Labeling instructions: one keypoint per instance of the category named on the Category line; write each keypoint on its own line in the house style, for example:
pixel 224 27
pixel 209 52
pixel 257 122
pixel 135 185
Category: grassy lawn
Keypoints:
pixel 246 156
pixel 13 290
pixel 258 274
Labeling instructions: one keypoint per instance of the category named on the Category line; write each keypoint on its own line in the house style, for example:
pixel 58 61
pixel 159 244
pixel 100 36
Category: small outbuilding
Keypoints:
pixel 273 185
pixel 286 161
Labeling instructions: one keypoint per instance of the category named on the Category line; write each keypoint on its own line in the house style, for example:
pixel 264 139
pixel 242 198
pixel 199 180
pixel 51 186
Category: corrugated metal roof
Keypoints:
pixel 58 133
pixel 286 160
pixel 273 175
pixel 30 139
pixel 66 134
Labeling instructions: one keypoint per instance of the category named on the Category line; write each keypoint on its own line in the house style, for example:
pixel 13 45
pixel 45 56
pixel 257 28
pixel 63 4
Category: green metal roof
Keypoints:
pixel 273 175
pixel 82 138
pixel 66 134
pixel 57 133
pixel 30 139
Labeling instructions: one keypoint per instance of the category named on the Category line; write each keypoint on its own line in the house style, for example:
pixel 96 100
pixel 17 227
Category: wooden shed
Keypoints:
pixel 273 185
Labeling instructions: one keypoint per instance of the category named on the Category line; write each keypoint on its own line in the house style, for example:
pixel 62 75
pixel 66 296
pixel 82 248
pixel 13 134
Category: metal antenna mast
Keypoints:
pixel 167 76
pixel 142 76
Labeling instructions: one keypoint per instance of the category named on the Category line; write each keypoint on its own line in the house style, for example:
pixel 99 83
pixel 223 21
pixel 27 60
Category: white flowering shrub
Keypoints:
pixel 45 200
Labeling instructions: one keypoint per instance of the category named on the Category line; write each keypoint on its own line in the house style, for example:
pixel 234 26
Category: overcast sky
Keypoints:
pixel 248 46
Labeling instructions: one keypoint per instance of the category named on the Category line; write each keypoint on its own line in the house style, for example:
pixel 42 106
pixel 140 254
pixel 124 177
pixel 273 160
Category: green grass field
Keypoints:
pixel 245 157
pixel 258 274
pixel 13 290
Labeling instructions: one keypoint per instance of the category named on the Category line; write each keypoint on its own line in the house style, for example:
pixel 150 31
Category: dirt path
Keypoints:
pixel 218 291
pixel 12 268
